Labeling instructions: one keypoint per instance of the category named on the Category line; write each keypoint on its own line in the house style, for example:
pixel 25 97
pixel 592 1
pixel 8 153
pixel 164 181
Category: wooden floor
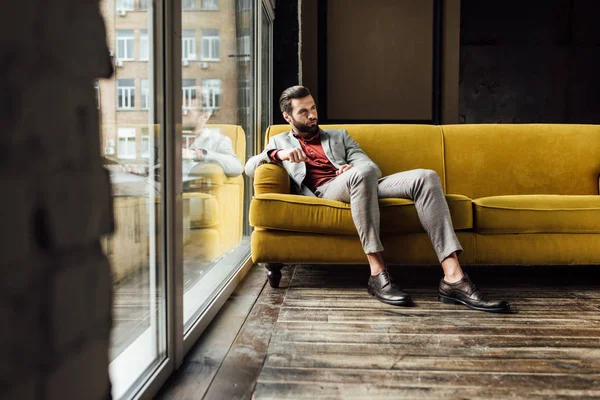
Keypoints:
pixel 321 336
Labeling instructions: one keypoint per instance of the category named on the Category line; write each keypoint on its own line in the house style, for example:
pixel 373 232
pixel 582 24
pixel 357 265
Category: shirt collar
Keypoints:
pixel 314 139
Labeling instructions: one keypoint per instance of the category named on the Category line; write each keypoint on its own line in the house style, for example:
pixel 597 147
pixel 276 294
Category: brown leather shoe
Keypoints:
pixel 465 292
pixel 384 289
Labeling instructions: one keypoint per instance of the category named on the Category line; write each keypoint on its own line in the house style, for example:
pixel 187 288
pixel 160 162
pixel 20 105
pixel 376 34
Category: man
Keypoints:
pixel 208 146
pixel 331 165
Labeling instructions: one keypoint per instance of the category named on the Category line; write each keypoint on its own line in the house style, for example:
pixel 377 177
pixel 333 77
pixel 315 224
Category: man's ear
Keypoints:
pixel 287 117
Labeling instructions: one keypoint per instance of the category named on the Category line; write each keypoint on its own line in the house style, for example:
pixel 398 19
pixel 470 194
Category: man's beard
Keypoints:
pixel 304 128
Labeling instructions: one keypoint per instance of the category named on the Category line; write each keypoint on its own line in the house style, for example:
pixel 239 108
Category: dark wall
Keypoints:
pixel 530 61
pixel 286 38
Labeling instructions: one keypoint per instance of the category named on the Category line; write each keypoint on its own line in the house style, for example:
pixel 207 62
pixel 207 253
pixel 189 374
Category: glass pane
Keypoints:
pixel 138 340
pixel 214 150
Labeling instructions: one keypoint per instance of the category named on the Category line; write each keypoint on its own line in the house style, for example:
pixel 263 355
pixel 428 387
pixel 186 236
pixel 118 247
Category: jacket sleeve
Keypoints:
pixel 356 156
pixel 262 158
pixel 225 157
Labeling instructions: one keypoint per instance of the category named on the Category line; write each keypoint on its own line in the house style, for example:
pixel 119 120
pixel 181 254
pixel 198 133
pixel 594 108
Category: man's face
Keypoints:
pixel 199 118
pixel 304 117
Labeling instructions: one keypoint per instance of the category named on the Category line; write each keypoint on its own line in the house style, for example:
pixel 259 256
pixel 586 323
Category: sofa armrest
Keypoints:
pixel 271 178
pixel 204 176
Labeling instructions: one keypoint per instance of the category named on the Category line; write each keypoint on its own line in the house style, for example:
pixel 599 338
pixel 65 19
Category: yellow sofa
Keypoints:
pixel 213 205
pixel 518 194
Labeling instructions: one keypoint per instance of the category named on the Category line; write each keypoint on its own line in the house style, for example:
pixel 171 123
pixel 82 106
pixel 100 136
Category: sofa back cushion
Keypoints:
pixel 393 148
pixel 237 136
pixel 510 159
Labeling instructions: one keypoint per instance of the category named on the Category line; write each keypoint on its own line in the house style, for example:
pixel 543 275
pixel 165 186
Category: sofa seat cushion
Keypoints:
pixel 201 209
pixel 313 215
pixel 537 214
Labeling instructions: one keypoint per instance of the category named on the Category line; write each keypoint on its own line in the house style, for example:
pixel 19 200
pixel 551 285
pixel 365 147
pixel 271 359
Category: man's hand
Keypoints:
pixel 189 154
pixel 292 155
pixel 343 169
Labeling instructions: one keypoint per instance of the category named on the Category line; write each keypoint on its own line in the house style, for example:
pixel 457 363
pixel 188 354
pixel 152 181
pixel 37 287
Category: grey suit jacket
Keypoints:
pixel 339 148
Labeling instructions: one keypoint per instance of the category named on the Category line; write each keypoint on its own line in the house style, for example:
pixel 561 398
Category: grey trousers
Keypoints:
pixel 360 187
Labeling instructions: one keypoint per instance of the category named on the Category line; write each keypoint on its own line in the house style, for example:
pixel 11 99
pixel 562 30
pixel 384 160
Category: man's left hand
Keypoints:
pixel 343 169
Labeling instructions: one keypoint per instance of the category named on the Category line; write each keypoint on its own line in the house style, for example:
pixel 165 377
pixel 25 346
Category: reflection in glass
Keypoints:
pixel 214 149
pixel 129 142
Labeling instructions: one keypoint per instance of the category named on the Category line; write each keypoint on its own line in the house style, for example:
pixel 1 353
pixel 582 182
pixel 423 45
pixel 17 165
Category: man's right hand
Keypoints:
pixel 292 155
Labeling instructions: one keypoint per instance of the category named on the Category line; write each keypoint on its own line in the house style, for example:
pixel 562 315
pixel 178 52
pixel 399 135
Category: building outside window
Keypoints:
pixel 200 5
pixel 210 45
pixel 144 5
pixel 125 94
pixel 189 94
pixel 126 143
pixel 187 140
pixel 126 5
pixel 189 44
pixel 145 94
pixel 145 145
pixel 125 45
pixel 144 45
pixel 209 4
pixel 211 93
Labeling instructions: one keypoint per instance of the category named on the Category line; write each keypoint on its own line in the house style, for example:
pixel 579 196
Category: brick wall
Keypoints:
pixel 55 293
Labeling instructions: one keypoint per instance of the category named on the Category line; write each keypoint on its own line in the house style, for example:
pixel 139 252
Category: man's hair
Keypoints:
pixel 289 94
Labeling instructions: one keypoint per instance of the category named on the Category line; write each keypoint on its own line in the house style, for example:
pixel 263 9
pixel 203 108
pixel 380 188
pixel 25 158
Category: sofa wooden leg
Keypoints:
pixel 274 274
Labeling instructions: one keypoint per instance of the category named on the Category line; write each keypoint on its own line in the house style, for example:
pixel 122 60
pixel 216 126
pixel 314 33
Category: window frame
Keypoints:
pixel 208 42
pixel 126 47
pixel 129 135
pixel 187 43
pixel 212 93
pixel 189 94
pixel 126 92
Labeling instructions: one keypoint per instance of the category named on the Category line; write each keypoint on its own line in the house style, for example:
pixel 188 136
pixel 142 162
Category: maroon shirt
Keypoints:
pixel 319 169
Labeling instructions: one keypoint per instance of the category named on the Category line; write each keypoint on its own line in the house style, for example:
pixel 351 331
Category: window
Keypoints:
pixel 125 94
pixel 189 44
pixel 124 44
pixel 126 5
pixel 144 4
pixel 210 44
pixel 144 45
pixel 200 5
pixel 145 149
pixel 189 94
pixel 145 97
pixel 211 93
pixel 188 140
pixel 209 4
pixel 126 148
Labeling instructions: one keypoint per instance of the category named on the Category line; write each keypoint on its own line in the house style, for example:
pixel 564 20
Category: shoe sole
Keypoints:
pixel 407 302
pixel 452 300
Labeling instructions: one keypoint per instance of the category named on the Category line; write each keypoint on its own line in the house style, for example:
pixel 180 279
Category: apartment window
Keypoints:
pixel 125 94
pixel 144 45
pixel 189 94
pixel 188 140
pixel 145 149
pixel 144 4
pixel 124 44
pixel 211 93
pixel 209 4
pixel 210 44
pixel 200 5
pixel 126 148
pixel 145 98
pixel 126 5
pixel 189 44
